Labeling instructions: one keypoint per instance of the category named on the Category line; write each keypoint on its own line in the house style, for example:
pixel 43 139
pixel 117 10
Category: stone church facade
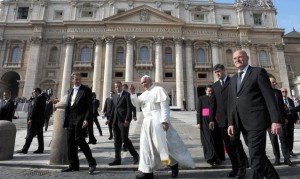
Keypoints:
pixel 176 42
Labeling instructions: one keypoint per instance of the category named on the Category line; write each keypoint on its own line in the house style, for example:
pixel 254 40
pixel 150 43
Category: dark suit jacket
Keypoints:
pixel 252 103
pixel 37 114
pixel 108 105
pixel 294 116
pixel 82 104
pixel 279 100
pixel 96 104
pixel 121 110
pixel 221 95
pixel 7 111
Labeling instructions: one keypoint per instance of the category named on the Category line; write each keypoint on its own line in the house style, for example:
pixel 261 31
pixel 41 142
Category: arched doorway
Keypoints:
pixel 9 81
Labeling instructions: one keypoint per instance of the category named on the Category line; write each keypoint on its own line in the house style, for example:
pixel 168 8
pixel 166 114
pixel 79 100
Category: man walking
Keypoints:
pixel 7 107
pixel 108 105
pixel 251 98
pixel 120 118
pixel 78 115
pixel 234 147
pixel 36 120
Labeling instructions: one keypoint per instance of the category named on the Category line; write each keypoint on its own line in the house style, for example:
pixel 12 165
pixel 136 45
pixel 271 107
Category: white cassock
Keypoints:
pixel 158 147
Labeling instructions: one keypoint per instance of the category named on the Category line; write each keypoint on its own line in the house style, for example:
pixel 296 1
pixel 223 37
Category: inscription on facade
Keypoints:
pixel 144 29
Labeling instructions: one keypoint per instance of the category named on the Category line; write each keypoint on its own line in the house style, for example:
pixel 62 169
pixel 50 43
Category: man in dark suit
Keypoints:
pixel 48 111
pixel 250 100
pixel 7 107
pixel 95 114
pixel 36 120
pixel 78 115
pixel 291 117
pixel 120 117
pixel 108 105
pixel 234 147
pixel 283 133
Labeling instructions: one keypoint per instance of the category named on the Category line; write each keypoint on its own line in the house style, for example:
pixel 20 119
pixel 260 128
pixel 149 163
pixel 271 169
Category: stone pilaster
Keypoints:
pixel 189 75
pixel 158 60
pixel 129 59
pixel 245 45
pixel 107 84
pixel 215 54
pixel 282 66
pixel 65 84
pixel 32 67
pixel 97 66
pixel 179 73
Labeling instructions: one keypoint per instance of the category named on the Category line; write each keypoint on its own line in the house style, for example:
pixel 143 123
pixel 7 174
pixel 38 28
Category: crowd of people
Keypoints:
pixel 247 103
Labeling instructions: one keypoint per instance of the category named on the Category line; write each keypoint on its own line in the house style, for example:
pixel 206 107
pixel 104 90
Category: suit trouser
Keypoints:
pixel 235 151
pixel 76 137
pixel 290 134
pixel 91 129
pixel 284 143
pixel 260 164
pixel 121 136
pixel 32 131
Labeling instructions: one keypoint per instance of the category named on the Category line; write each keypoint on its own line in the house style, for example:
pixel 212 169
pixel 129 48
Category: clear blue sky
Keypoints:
pixel 288 13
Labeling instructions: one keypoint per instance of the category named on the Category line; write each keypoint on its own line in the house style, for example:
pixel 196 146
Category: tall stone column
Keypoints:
pixel 32 67
pixel 215 54
pixel 158 60
pixel 282 66
pixel 129 60
pixel 179 73
pixel 97 67
pixel 189 75
pixel 107 68
pixel 65 83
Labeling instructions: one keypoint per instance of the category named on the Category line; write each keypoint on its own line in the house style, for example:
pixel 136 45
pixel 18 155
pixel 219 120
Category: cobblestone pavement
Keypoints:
pixel 35 166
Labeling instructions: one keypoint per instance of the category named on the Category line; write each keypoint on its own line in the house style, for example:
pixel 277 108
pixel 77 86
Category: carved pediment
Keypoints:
pixel 144 14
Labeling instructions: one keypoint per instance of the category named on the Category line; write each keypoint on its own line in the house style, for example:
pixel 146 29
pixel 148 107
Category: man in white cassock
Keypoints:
pixel 160 144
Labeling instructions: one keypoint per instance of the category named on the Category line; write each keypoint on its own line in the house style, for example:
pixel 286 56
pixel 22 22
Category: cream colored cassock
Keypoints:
pixel 156 145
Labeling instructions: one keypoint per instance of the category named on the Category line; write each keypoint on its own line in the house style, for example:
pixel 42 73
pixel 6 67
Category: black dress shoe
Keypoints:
pixel 288 162
pixel 70 169
pixel 174 170
pixel 232 173
pixel 110 137
pixel 92 142
pixel 92 168
pixel 145 176
pixel 241 173
pixel 21 152
pixel 38 152
pixel 277 162
pixel 115 162
pixel 136 159
pixel 293 154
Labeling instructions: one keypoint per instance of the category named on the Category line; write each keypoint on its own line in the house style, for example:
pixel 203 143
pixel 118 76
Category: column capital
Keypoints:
pixel 69 40
pixel 36 40
pixel 158 40
pixel 245 43
pixel 98 40
pixel 109 39
pixel 178 41
pixel 215 43
pixel 129 39
pixel 279 46
pixel 188 43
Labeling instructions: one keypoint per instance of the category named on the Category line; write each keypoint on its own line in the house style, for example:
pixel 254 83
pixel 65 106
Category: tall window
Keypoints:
pixel 200 56
pixel 168 56
pixel 120 56
pixel 229 57
pixel 53 54
pixel 85 55
pixel 257 19
pixel 144 53
pixel 263 58
pixel 16 55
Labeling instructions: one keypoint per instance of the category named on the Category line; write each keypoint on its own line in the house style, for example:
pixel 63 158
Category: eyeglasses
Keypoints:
pixel 283 91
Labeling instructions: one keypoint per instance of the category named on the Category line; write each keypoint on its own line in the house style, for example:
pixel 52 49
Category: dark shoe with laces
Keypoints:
pixel 110 137
pixel 145 176
pixel 92 168
pixel 21 152
pixel 288 162
pixel 115 162
pixel 232 173
pixel 70 169
pixel 175 170
pixel 38 152
pixel 92 142
pixel 293 154
pixel 241 173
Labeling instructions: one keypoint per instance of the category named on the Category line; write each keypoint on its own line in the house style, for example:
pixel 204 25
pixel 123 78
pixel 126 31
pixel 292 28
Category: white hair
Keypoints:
pixel 147 77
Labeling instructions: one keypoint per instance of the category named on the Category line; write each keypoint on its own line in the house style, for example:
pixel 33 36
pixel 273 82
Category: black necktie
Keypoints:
pixel 239 80
pixel 222 83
